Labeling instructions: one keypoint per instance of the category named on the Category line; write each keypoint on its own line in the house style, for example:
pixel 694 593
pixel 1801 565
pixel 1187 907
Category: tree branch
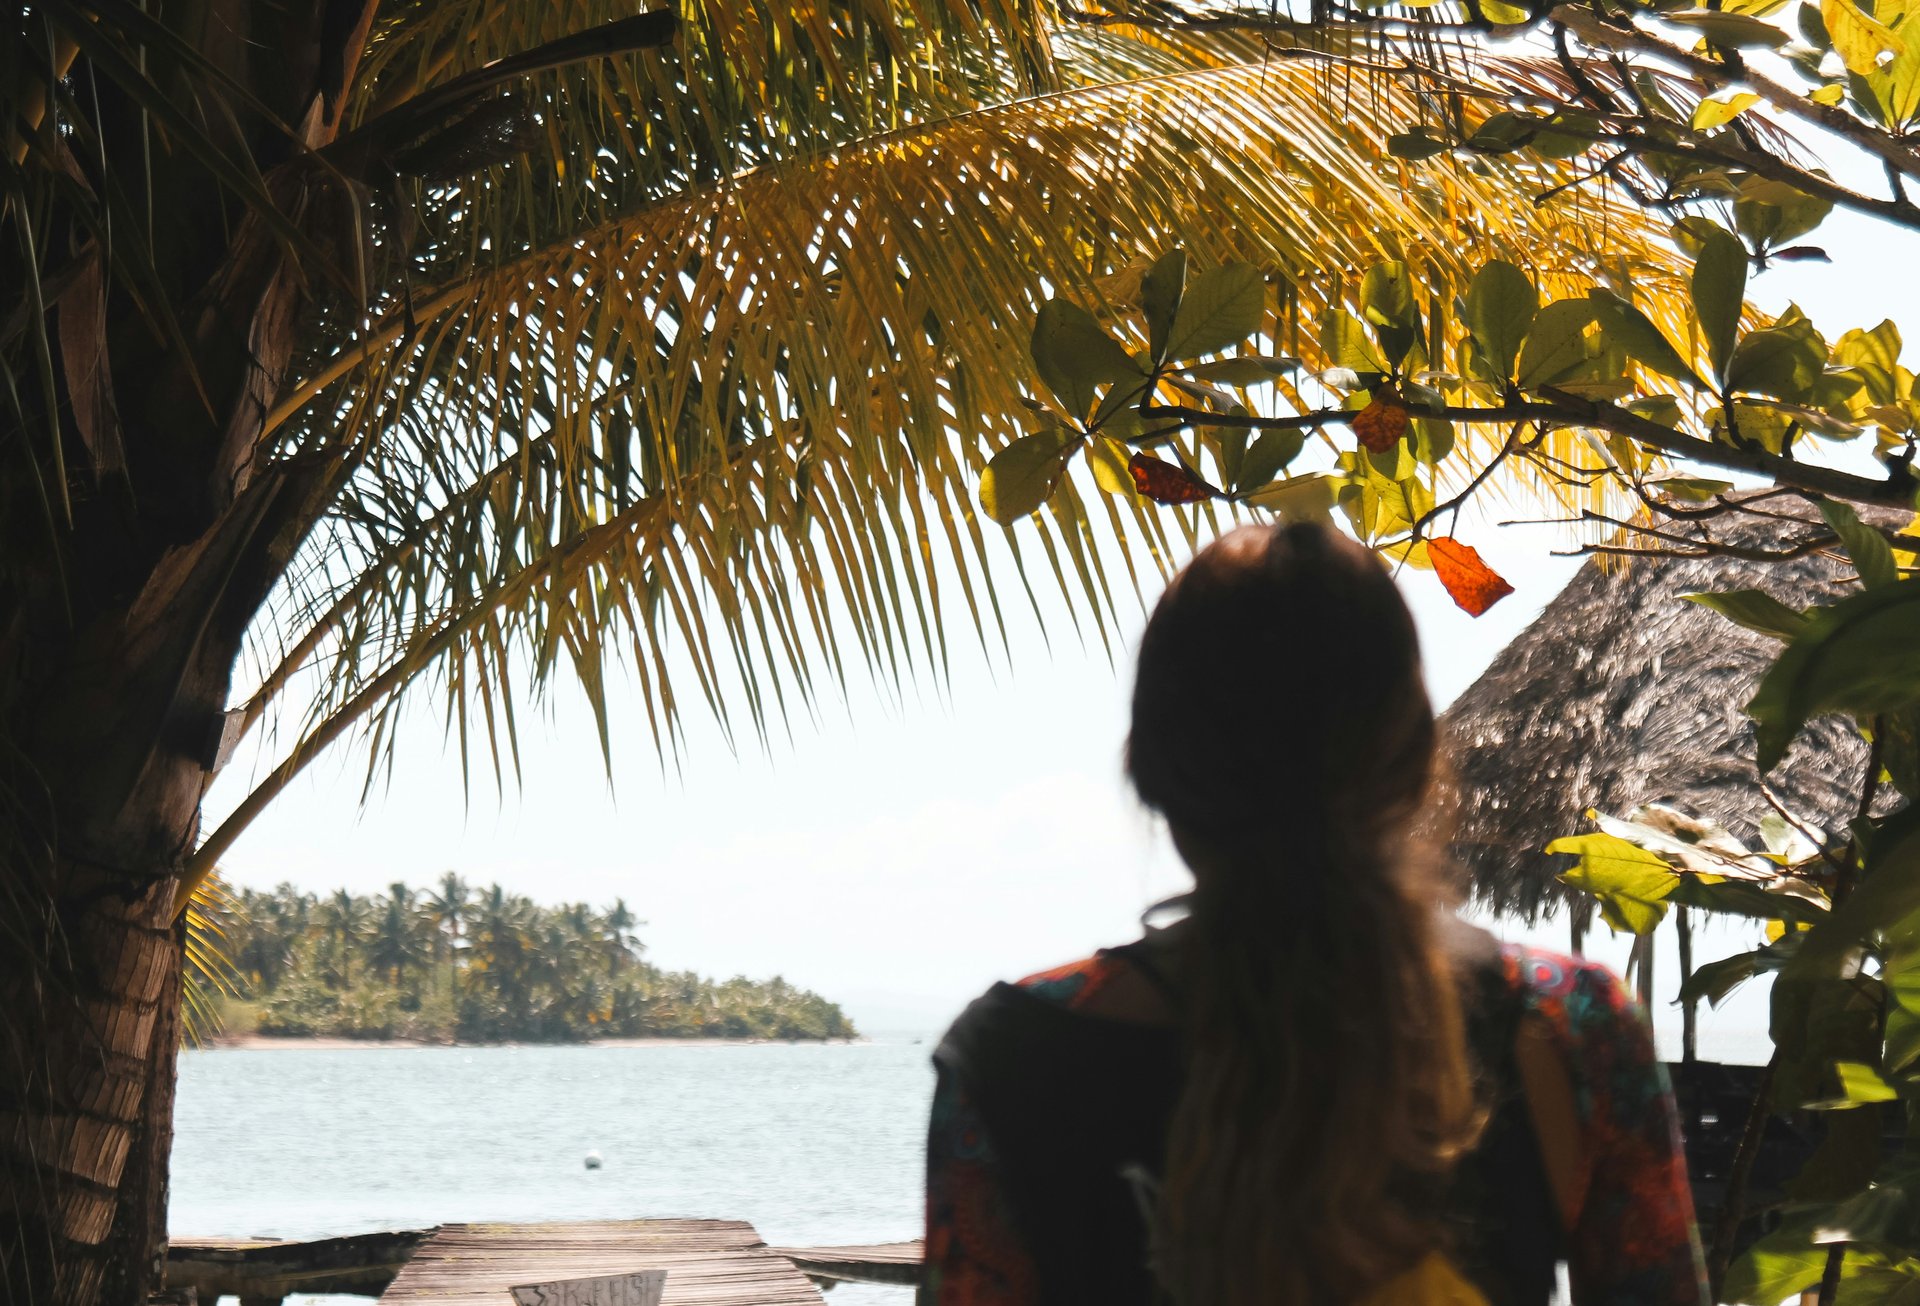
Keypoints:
pixel 1595 31
pixel 1569 411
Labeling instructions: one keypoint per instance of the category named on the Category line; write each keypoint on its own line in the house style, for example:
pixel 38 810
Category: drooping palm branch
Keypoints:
pixel 689 358
pixel 210 972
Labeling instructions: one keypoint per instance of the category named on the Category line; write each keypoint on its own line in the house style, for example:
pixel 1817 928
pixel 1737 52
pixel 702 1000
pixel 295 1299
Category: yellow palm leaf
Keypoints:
pixel 733 431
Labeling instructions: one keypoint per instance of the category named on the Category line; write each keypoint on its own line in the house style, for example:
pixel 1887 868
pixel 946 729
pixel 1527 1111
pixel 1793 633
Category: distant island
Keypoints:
pixel 453 964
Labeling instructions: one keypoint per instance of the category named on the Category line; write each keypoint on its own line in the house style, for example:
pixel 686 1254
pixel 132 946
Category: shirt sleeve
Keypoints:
pixel 1634 1242
pixel 973 1254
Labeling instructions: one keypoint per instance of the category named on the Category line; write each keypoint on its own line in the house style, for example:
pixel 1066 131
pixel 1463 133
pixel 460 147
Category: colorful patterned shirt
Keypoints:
pixel 1632 1241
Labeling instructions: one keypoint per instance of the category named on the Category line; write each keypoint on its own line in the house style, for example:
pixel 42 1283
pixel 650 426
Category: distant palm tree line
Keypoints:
pixel 451 963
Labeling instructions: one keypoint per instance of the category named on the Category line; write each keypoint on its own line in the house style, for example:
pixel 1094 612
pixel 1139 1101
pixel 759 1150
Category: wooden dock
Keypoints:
pixel 888 1263
pixel 708 1262
pixel 263 1270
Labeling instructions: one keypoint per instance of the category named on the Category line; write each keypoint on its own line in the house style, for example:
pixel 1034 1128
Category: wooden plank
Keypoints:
pixel 888 1263
pixel 708 1262
pixel 265 1270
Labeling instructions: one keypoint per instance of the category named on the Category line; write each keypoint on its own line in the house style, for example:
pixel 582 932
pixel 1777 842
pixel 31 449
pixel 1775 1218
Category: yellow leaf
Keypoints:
pixel 1718 113
pixel 1109 459
pixel 1413 553
pixel 1858 37
pixel 1829 95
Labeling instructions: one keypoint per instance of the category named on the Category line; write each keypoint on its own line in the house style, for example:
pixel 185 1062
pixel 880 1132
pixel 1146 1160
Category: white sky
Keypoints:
pixel 895 858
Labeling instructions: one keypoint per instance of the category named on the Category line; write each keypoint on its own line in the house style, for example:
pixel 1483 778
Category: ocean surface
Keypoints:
pixel 813 1144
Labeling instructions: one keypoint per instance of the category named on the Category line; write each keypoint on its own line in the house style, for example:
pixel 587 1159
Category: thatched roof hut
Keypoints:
pixel 1623 693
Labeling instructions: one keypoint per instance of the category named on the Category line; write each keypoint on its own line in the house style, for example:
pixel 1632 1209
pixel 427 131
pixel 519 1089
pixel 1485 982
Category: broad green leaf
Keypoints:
pixel 1386 300
pixel 1872 555
pixel 1233 371
pixel 1771 213
pixel 1730 897
pixel 1432 440
pixel 1300 498
pixel 1556 348
pixel 1229 453
pixel 1709 114
pixel 1160 292
pixel 1900 970
pixel 1899 737
pixel 1778 413
pixel 1735 31
pixel 1416 144
pixel 1856 656
pixel 1716 979
pixel 1693 489
pixel 1386 296
pixel 1118 412
pixel 1075 357
pixel 1897 84
pixel 1268 456
pixel 1844 1161
pixel 1645 343
pixel 1780 1266
pixel 1888 893
pixel 1813 28
pixel 1859 38
pixel 1757 610
pixel 1861 1084
pixel 1109 459
pixel 1783 361
pixel 1502 132
pixel 1664 409
pixel 1348 345
pixel 1382 502
pixel 1221 307
pixel 1631 883
pixel 1501 305
pixel 1878 348
pixel 1816 1019
pixel 1021 476
pixel 1719 292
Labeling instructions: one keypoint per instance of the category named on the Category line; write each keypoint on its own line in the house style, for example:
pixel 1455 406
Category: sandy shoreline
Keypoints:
pixel 278 1043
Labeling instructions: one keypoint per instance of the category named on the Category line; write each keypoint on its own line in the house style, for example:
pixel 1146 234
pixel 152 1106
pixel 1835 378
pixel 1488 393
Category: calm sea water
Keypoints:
pixel 812 1144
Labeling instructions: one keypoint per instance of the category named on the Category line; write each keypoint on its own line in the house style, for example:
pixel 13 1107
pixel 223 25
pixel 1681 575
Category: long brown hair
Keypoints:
pixel 1281 727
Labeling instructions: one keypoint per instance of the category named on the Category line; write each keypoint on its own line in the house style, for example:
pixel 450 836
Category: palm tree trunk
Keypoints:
pixel 87 1112
pixel 138 1247
pixel 119 630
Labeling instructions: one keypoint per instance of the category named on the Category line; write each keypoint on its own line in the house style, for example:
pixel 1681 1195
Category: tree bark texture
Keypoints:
pixel 124 606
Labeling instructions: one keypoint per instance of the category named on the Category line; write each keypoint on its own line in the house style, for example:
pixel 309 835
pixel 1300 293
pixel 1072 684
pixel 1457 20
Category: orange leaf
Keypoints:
pixel 1473 584
pixel 1166 482
pixel 1382 422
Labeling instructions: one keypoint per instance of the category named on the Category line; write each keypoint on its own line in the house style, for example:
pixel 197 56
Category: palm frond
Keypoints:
pixel 730 436
pixel 209 973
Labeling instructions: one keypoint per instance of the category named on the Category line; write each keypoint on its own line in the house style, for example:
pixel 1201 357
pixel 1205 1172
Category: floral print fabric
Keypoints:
pixel 1632 1244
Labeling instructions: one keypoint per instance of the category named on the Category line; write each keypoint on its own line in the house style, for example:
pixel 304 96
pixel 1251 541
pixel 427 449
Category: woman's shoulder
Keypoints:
pixel 1077 984
pixel 1574 994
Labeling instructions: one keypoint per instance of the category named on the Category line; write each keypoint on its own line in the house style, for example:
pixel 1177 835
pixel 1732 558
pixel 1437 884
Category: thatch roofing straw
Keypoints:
pixel 1623 693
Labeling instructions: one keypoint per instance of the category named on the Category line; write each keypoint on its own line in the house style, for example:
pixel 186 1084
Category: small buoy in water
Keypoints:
pixel 593 1160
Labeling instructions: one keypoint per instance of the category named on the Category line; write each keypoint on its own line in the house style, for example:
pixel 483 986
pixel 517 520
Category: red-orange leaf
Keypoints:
pixel 1166 482
pixel 1382 422
pixel 1473 584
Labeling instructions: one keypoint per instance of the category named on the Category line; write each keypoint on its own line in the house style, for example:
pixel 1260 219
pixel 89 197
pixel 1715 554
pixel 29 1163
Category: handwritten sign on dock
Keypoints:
pixel 641 1288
